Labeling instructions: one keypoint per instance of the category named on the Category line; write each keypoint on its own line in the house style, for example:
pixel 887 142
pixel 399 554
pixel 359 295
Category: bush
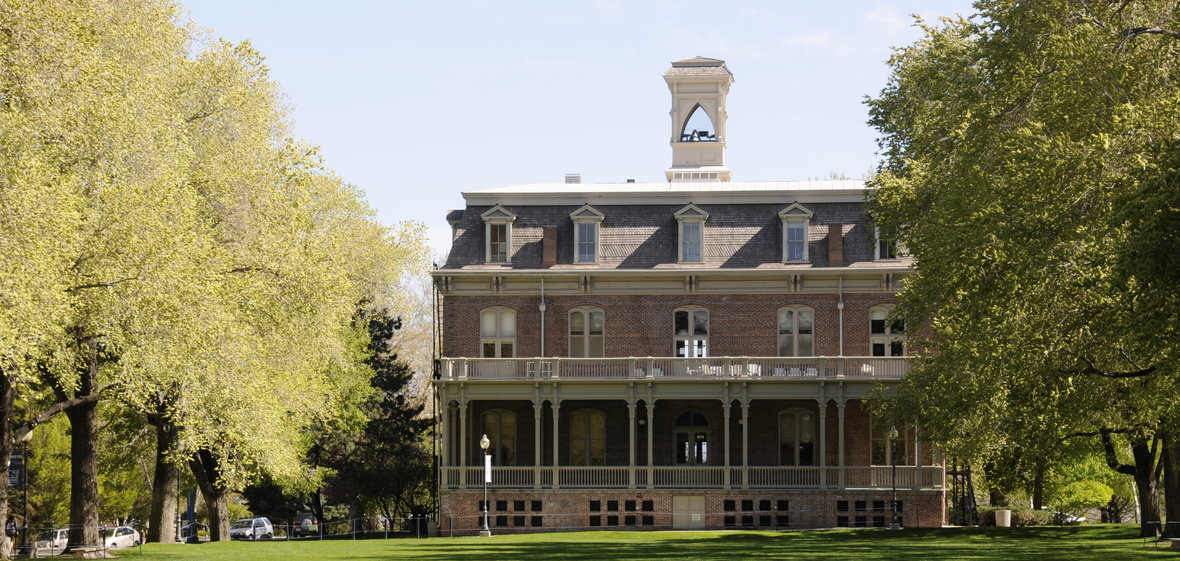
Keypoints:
pixel 1021 516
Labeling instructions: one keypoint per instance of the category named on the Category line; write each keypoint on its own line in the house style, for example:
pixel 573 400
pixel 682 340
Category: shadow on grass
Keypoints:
pixel 1098 542
pixel 1107 543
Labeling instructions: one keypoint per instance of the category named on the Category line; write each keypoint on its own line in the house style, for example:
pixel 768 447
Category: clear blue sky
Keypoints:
pixel 417 101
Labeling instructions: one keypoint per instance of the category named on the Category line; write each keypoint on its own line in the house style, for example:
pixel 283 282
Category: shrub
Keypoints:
pixel 1021 516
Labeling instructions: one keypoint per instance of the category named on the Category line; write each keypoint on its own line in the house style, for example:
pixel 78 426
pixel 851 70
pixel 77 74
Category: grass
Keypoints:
pixel 1103 542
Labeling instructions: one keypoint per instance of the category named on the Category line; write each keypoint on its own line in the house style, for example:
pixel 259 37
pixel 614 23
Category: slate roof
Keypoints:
pixel 645 236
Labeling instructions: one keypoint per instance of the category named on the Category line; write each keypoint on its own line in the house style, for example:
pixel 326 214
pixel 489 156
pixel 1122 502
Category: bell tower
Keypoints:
pixel 699 86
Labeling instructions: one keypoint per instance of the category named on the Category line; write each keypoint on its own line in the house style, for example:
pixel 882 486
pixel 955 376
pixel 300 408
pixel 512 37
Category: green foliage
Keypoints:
pixel 1020 516
pixel 49 474
pixel 1079 497
pixel 1015 142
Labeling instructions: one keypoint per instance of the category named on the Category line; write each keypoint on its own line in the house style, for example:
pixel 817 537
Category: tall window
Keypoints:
pixel 498 234
pixel 691 332
pixel 887 336
pixel 796 331
pixel 796 438
pixel 691 222
pixel 692 438
pixel 497 333
pixel 887 245
pixel 795 218
pixel 586 227
pixel 587 438
pixel 586 332
pixel 885 449
pixel 500 426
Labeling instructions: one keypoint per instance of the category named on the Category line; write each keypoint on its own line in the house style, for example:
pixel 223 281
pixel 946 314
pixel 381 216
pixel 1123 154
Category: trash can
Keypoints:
pixel 1003 518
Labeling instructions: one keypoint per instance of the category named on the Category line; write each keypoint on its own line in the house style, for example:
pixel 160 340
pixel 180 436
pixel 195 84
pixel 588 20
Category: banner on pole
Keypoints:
pixel 487 468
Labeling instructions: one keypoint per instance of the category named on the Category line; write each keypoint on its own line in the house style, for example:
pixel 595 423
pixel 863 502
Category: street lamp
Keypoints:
pixel 893 525
pixel 484 443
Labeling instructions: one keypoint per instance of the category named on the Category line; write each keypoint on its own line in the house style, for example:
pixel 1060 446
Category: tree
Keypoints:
pixel 1010 140
pixel 386 462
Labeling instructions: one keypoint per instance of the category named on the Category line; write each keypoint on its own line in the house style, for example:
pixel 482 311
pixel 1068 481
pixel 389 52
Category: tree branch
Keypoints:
pixel 20 431
pixel 1112 459
pixel 1133 32
pixel 107 284
pixel 1091 368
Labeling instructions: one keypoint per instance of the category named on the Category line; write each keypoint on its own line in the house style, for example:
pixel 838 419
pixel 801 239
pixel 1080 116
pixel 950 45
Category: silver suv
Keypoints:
pixel 251 529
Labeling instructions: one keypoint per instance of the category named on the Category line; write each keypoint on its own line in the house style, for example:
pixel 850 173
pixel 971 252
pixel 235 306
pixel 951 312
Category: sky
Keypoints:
pixel 418 101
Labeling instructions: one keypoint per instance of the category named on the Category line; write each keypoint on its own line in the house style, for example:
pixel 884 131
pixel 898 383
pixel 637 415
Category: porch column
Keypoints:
pixel 444 459
pixel 538 450
pixel 745 445
pixel 651 453
pixel 823 442
pixel 631 445
pixel 917 458
pixel 463 443
pixel 556 453
pixel 725 423
pixel 840 439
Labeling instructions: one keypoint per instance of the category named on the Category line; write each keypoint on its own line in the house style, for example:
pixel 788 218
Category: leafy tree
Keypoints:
pixel 387 463
pixel 1010 140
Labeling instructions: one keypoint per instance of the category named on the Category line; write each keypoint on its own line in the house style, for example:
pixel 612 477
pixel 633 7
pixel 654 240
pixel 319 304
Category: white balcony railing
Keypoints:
pixel 696 477
pixel 770 368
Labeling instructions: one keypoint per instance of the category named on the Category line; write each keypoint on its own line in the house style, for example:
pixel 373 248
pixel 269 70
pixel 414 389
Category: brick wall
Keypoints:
pixel 533 510
pixel 740 325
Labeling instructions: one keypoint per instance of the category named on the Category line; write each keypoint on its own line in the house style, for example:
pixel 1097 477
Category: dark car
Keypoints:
pixel 305 524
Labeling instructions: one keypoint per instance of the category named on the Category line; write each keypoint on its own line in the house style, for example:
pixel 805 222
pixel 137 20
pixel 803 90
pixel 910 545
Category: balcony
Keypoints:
pixel 700 477
pixel 663 368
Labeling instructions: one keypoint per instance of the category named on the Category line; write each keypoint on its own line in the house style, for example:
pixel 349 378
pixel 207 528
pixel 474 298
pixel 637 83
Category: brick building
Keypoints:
pixel 688 354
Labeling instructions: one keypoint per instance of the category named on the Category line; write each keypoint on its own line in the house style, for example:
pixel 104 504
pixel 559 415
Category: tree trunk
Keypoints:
pixel 1147 484
pixel 165 483
pixel 84 458
pixel 1171 458
pixel 207 471
pixel 1038 497
pixel 6 444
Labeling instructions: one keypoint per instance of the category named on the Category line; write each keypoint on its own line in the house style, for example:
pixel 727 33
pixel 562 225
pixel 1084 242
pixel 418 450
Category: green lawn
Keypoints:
pixel 1103 542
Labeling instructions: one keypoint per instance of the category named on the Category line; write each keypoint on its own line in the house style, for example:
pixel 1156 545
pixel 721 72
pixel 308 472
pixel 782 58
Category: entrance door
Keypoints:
pixel 688 513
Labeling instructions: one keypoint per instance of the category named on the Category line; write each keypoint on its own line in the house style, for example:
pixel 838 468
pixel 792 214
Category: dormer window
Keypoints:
pixel 498 234
pixel 692 234
pixel 796 219
pixel 586 228
pixel 887 246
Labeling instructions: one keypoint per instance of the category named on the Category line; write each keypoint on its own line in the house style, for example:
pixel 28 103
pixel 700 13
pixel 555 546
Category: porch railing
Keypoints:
pixel 768 368
pixel 695 477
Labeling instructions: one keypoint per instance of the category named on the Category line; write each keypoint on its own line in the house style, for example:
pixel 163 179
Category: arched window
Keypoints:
pixel 500 427
pixel 698 127
pixel 796 331
pixel 497 333
pixel 587 438
pixel 586 332
pixel 691 332
pixel 887 336
pixel 692 438
pixel 796 438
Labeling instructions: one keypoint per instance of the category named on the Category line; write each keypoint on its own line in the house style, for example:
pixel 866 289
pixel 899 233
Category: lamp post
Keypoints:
pixel 893 525
pixel 484 443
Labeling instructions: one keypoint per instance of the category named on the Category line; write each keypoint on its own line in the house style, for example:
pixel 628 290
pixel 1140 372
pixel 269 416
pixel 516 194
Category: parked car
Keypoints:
pixel 305 524
pixel 251 529
pixel 120 536
pixel 53 540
